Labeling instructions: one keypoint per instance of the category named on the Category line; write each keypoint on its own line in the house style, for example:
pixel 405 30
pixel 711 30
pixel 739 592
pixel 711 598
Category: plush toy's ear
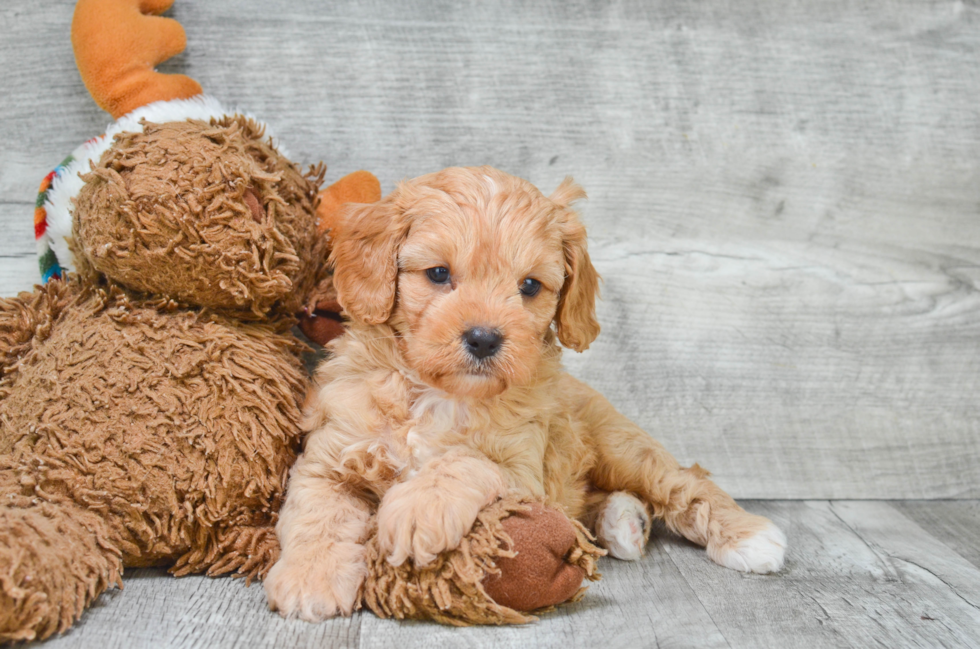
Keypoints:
pixel 575 318
pixel 366 239
pixel 117 45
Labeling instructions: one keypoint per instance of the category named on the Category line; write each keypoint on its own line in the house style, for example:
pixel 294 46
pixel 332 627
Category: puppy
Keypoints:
pixel 447 392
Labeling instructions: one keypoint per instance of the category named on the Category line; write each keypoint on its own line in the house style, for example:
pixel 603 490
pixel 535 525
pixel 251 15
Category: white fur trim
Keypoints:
pixel 66 185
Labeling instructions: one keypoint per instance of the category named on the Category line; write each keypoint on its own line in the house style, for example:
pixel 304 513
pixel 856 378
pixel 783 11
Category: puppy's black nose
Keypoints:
pixel 482 342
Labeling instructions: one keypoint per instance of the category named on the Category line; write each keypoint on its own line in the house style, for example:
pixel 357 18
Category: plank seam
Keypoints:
pixel 663 549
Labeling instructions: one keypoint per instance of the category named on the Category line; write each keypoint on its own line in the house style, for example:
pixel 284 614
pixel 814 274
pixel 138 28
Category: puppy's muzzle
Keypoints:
pixel 481 342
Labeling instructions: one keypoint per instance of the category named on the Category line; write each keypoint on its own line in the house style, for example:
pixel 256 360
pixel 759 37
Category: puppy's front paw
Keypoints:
pixel 762 552
pixel 419 525
pixel 317 587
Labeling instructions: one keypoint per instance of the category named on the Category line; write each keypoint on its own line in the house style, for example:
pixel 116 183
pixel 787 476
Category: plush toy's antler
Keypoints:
pixel 358 187
pixel 117 43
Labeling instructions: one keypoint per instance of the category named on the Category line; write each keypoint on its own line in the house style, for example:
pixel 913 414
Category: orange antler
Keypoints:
pixel 117 44
pixel 357 187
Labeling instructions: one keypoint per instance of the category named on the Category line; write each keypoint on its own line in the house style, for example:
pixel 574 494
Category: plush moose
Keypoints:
pixel 150 393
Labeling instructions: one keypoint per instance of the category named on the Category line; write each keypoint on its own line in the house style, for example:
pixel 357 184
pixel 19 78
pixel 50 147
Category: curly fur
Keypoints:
pixel 215 195
pixel 408 425
pixel 150 407
pixel 144 434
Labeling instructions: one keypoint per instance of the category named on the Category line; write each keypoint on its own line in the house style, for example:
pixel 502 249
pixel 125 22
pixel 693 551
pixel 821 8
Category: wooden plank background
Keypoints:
pixel 858 574
pixel 784 194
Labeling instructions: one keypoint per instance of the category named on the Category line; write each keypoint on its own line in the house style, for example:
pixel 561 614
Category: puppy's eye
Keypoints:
pixel 530 287
pixel 438 275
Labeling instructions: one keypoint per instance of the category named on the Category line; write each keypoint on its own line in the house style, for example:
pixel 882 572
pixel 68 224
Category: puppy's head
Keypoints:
pixel 470 266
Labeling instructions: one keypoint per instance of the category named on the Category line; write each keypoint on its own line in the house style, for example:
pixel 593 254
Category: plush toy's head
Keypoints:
pixel 181 198
pixel 206 213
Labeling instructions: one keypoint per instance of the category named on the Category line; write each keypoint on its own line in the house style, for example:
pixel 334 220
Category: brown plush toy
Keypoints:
pixel 150 399
pixel 520 557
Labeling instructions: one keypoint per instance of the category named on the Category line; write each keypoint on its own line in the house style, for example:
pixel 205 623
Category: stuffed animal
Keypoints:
pixel 150 392
pixel 520 557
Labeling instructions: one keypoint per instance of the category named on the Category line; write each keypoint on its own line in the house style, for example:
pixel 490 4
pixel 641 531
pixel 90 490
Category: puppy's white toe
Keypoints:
pixel 763 552
pixel 623 525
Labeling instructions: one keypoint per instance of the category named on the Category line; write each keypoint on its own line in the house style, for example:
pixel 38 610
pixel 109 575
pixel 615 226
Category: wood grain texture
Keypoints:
pixel 18 257
pixel 784 196
pixel 859 574
pixel 958 527
pixel 651 603
pixel 646 604
pixel 158 610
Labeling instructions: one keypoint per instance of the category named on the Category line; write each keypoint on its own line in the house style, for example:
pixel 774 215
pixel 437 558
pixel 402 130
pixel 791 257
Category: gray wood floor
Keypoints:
pixel 858 574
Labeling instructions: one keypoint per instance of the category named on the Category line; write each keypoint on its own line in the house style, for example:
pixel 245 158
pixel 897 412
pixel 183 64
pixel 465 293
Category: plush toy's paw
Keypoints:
pixel 761 552
pixel 320 586
pixel 418 525
pixel 623 526
pixel 540 574
pixel 54 561
pixel 518 557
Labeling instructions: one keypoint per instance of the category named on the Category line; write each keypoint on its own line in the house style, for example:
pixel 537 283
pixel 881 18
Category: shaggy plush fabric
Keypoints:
pixel 58 191
pixel 55 558
pixel 217 196
pixel 453 589
pixel 150 403
pixel 134 432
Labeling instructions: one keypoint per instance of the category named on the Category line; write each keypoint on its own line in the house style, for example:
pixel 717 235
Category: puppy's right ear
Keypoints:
pixel 365 258
pixel 575 319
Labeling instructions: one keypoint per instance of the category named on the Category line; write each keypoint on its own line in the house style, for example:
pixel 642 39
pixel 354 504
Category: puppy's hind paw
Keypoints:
pixel 762 553
pixel 623 526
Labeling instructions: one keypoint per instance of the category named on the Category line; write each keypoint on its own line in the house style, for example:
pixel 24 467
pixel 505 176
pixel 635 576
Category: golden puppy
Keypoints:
pixel 447 392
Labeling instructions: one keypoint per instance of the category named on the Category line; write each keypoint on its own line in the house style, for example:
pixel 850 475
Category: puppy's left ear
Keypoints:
pixel 365 258
pixel 575 318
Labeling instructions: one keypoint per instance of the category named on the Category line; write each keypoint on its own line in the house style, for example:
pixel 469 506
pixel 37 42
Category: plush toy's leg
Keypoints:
pixel 541 573
pixel 54 560
pixel 54 556
pixel 519 557
pixel 248 551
